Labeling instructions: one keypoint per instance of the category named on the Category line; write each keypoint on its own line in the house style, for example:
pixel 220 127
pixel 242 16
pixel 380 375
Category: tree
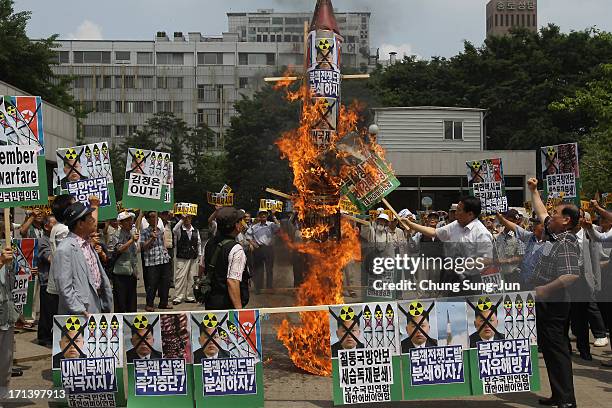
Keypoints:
pixel 514 77
pixel 27 64
pixel 594 100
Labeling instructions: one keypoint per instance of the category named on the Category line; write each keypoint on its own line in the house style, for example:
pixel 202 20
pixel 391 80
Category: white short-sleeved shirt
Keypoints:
pixel 236 263
pixel 473 240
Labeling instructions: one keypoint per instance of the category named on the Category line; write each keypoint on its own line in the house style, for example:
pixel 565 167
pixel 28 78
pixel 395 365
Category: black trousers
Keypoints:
pixel 124 293
pixel 263 257
pixel 158 279
pixel 553 318
pixel 579 324
pixel 48 309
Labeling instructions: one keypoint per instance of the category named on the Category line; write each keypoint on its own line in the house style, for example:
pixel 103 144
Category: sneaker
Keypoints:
pixel 190 300
pixel 601 342
pixel 177 301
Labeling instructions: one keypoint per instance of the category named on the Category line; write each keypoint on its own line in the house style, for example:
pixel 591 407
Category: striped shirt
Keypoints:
pixel 92 261
pixel 157 254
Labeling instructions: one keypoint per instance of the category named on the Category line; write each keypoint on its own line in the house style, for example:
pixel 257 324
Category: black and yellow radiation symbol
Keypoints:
pixel 325 44
pixel 507 304
pixel 389 312
pixel 232 328
pixel 141 322
pixel 114 324
pixel 378 314
pixel 104 149
pixel 519 304
pixel 167 158
pixel 222 334
pixel 73 323
pixel 103 325
pixel 347 313
pixel 551 152
pixel 416 309
pixel 1 116
pixel 530 303
pixel 14 247
pixel 484 303
pixel 92 324
pixel 11 110
pixel 71 154
pixel 476 165
pixel 96 150
pixel 367 314
pixel 210 320
pixel 87 152
pixel 139 154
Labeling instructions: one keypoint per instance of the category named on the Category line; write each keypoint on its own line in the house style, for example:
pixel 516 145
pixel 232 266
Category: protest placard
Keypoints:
pixel 266 204
pixel 25 253
pixel 486 182
pixel 149 181
pixel 560 172
pixel 224 198
pixel 185 209
pixel 85 171
pixel 88 359
pixel 227 352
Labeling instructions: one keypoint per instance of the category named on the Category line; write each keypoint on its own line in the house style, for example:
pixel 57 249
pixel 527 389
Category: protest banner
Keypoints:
pixel 149 181
pixel 84 171
pixel 185 209
pixel 486 181
pixel 23 172
pixel 25 253
pixel 88 358
pixel 370 178
pixel 266 204
pixel 365 351
pixel 347 207
pixel 227 359
pixel 560 172
pixel 224 198
pixel 45 209
pixel 158 357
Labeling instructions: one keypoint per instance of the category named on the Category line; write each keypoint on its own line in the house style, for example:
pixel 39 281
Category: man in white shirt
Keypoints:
pixel 188 253
pixel 466 237
pixel 261 236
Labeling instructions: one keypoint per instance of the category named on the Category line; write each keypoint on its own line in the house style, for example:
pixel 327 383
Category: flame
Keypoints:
pixel 316 181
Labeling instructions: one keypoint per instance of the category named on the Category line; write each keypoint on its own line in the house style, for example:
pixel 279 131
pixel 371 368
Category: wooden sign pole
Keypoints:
pixel 7 227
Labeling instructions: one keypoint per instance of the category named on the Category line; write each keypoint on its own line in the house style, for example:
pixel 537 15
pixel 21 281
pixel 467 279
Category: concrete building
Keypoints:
pixel 428 147
pixel 60 127
pixel 503 15
pixel 198 78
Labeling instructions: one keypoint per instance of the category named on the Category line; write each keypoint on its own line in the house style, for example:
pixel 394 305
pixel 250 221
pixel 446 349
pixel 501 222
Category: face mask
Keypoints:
pixel 380 228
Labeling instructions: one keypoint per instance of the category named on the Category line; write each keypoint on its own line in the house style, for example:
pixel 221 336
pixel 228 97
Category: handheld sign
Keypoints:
pixel 270 205
pixel 185 209
pixel 560 172
pixel 224 198
pixel 149 181
pixel 486 182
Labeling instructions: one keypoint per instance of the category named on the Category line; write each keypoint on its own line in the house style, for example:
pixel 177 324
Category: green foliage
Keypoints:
pixel 27 64
pixel 515 77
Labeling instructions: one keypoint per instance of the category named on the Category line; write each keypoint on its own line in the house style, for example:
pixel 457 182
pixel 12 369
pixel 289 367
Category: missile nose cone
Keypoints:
pixel 323 17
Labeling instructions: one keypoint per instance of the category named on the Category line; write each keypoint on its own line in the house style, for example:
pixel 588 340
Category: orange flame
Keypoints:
pixel 308 343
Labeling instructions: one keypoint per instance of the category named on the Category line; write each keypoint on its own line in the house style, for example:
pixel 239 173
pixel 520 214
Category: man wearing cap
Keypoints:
pixel 125 247
pixel 81 281
pixel 225 263
pixel 509 249
pixel 261 236
pixel 378 242
pixel 188 253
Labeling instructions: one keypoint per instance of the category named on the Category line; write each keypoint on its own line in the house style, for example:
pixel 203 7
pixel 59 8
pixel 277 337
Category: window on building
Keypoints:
pixel 243 58
pixel 295 38
pixel 258 37
pixel 169 82
pixel 243 82
pixel 512 20
pixel 212 117
pixel 134 107
pixel 164 106
pixel 125 82
pixel 177 107
pixel 496 20
pixel 210 58
pixel 144 58
pixel 92 57
pixel 87 106
pixel 528 20
pixel 122 55
pixel 291 20
pixel 120 131
pixel 507 20
pixel 287 38
pixel 62 57
pixel 144 82
pixel 259 20
pixel 103 106
pixel 170 58
pixel 97 131
pixel 264 38
pixel 277 20
pixel 453 130
pixel 209 93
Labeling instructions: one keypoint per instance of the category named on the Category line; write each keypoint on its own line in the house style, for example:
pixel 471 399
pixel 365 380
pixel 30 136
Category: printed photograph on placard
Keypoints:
pixel 519 316
pixel 417 324
pixel 451 319
pixel 484 321
pixel 142 337
pixel 84 171
pixel 347 325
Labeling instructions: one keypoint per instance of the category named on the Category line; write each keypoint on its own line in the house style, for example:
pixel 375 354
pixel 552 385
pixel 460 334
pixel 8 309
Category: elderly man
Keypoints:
pixel 81 281
pixel 188 253
pixel 125 247
pixel 156 262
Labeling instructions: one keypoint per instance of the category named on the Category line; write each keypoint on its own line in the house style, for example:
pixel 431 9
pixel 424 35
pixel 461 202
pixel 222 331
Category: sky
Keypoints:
pixel 421 27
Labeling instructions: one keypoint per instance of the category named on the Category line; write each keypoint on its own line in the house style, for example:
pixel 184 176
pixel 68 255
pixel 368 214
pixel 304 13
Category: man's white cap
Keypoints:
pixel 380 209
pixel 453 207
pixel 125 215
pixel 383 216
pixel 405 213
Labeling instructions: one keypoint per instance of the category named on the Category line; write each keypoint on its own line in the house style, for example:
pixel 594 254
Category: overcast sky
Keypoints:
pixel 422 27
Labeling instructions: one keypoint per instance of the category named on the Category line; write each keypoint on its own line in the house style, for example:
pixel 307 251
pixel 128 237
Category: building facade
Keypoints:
pixel 504 15
pixel 199 79
pixel 428 148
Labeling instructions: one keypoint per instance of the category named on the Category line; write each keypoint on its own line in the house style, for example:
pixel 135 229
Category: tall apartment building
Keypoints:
pixel 503 15
pixel 197 78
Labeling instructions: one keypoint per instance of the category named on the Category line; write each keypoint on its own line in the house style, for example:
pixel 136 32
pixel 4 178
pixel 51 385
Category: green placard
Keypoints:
pixel 149 181
pixel 85 170
pixel 160 401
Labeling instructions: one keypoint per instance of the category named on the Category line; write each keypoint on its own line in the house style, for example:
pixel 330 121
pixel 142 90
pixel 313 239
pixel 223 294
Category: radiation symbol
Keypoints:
pixel 14 247
pixel 1 116
pixel 167 158
pixel 530 303
pixel 11 110
pixel 222 333
pixel 104 149
pixel 508 304
pixel 73 323
pixel 347 313
pixel 389 313
pixel 519 304
pixel 139 154
pixel 325 104
pixel 103 325
pixel 378 314
pixel 484 303
pixel 550 151
pixel 232 327
pixel 415 309
pixel 114 325
pixel 476 165
pixel 92 324
pixel 324 44
pixel 71 154
pixel 141 322
pixel 96 150
pixel 367 314
pixel 210 320
pixel 87 152
pixel 160 158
